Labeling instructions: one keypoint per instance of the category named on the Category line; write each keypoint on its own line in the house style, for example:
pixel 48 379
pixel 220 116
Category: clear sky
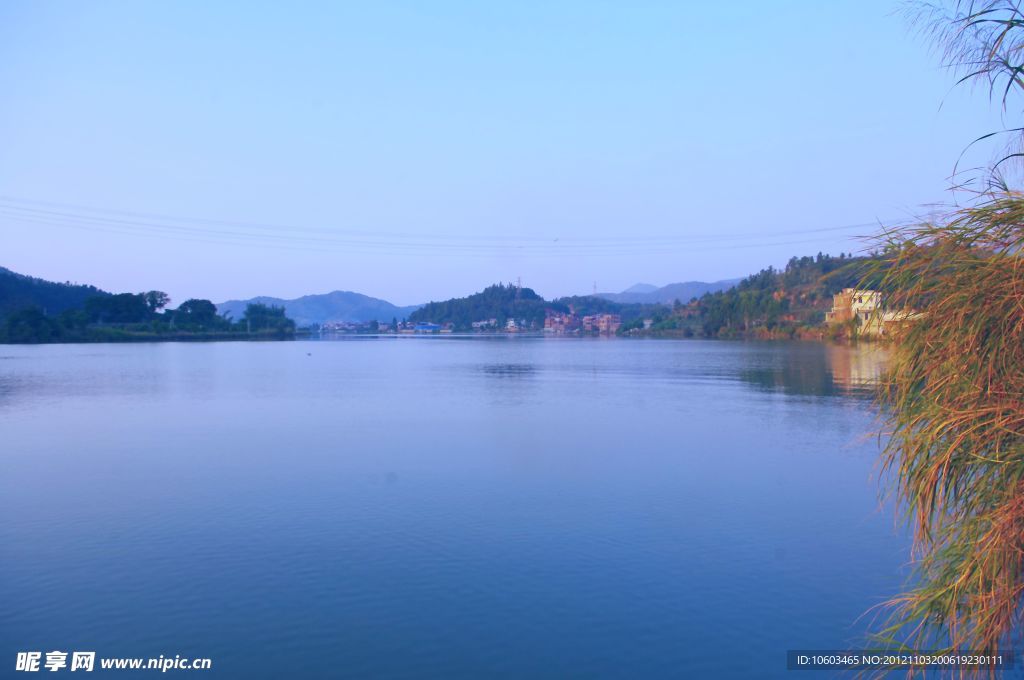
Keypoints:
pixel 422 150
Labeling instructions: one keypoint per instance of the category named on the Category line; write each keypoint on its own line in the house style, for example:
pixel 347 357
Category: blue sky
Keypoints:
pixel 416 151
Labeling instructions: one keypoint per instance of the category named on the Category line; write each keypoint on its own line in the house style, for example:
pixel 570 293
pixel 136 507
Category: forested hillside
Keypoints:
pixel 500 301
pixel 35 311
pixel 18 292
pixel 772 301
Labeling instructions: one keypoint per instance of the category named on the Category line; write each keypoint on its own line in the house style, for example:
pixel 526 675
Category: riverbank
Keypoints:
pixel 118 335
pixel 108 334
pixel 837 333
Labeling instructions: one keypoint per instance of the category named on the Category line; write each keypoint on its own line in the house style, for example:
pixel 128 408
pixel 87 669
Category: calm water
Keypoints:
pixel 442 508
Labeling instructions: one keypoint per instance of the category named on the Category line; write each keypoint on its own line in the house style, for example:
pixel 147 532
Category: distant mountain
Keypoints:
pixel 641 288
pixel 339 305
pixel 18 292
pixel 647 294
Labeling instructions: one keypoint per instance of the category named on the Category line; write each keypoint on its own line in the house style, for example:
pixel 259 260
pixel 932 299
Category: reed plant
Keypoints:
pixel 955 399
pixel 954 395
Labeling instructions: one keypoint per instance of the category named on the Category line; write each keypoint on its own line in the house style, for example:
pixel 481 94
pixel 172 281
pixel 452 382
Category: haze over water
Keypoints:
pixel 445 507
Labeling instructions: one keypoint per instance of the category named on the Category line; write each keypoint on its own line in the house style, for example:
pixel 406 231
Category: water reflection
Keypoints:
pixel 7 388
pixel 509 370
pixel 819 370
pixel 858 368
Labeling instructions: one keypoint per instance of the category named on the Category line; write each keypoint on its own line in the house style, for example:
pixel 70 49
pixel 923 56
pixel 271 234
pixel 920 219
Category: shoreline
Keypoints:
pixel 136 338
pixel 821 337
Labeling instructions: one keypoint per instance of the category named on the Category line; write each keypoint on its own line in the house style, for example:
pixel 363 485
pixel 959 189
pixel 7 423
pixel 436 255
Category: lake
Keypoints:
pixel 443 507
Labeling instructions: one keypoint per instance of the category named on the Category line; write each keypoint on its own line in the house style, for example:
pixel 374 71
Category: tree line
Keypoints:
pixel 141 316
pixel 777 302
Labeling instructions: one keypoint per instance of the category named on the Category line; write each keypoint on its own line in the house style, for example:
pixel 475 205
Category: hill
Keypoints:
pixel 641 288
pixel 338 305
pixel 19 292
pixel 770 303
pixel 500 302
pixel 643 293
pixel 35 311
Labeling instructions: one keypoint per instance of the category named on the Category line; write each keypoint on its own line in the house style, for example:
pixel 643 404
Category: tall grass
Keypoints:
pixel 955 386
pixel 955 392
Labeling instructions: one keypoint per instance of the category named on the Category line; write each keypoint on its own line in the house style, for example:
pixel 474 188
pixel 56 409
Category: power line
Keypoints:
pixel 81 210
pixel 299 237
pixel 507 250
